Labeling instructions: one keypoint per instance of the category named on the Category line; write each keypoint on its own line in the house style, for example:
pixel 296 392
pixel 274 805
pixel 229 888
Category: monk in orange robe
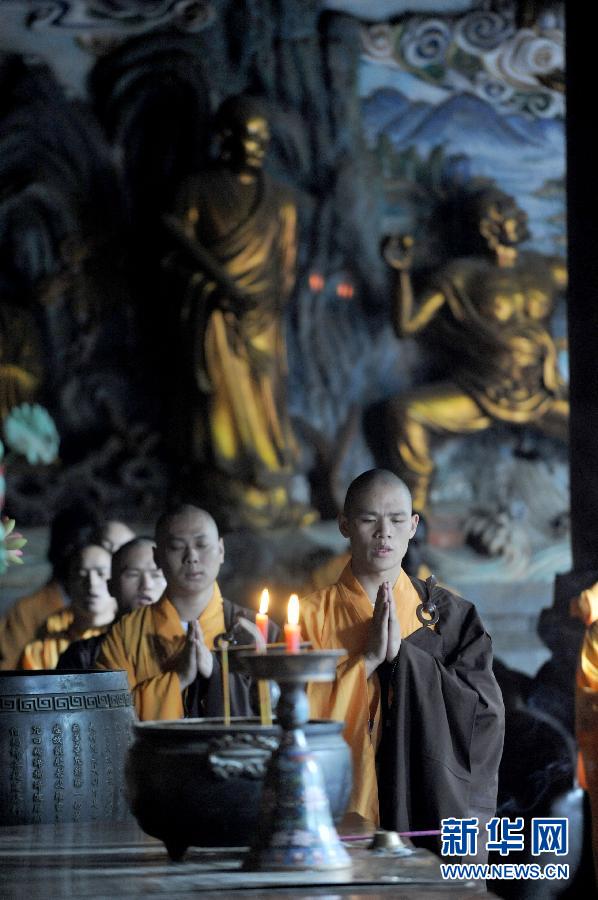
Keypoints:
pixel 135 581
pixel 586 722
pixel 92 609
pixel 166 648
pixel 27 618
pixel 422 710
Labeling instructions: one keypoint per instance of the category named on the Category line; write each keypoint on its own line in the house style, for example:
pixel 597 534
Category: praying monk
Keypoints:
pixel 586 724
pixel 135 581
pixel 27 618
pixel 423 712
pixel 167 648
pixel 91 611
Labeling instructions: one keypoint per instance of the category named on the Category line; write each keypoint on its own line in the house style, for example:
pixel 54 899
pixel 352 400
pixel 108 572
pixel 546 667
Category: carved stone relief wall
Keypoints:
pixel 376 115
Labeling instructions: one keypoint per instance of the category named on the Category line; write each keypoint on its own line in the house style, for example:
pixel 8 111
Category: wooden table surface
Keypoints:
pixel 112 861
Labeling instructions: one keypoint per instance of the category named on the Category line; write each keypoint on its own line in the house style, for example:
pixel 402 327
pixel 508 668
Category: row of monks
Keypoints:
pixel 423 712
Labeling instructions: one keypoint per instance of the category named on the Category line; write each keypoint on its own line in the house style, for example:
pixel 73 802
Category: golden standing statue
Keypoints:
pixel 239 228
pixel 487 317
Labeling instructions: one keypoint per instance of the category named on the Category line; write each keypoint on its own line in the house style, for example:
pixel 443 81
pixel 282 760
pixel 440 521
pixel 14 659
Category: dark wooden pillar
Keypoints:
pixel 582 227
pixel 559 631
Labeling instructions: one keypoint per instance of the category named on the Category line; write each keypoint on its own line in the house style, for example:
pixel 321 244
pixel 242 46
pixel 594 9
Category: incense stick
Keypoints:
pixel 225 682
pixel 265 704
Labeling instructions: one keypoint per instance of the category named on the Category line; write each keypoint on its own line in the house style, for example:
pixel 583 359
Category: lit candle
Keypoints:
pixel 292 632
pixel 261 620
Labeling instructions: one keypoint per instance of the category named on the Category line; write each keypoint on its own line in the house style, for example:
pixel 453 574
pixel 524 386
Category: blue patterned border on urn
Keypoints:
pixel 65 702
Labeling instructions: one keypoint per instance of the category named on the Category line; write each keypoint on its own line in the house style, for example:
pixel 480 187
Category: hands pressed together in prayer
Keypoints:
pixel 194 659
pixel 384 638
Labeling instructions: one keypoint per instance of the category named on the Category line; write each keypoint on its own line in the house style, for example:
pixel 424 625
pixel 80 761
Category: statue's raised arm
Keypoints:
pixel 409 314
pixel 486 313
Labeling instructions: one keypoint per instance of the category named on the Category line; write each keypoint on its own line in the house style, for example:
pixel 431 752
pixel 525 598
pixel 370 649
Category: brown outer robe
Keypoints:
pixel 443 729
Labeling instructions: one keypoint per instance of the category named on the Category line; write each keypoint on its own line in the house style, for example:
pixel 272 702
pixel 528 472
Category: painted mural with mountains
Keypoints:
pixel 525 157
pixel 447 100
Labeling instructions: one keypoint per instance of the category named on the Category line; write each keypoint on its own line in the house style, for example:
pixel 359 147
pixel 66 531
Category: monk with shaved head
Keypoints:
pixel 167 647
pixel 422 710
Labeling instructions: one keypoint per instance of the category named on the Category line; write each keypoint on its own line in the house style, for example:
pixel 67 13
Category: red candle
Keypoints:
pixel 261 619
pixel 292 632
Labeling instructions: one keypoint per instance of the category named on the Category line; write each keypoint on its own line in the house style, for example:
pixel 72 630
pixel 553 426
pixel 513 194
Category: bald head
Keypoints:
pixel 136 580
pixel 189 551
pixel 183 510
pixel 113 534
pixel 364 483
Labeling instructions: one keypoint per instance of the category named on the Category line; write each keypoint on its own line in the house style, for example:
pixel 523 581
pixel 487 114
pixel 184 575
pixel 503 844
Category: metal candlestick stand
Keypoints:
pixel 295 829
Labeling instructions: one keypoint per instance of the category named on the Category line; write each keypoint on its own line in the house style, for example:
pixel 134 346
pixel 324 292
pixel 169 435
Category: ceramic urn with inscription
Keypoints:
pixel 64 737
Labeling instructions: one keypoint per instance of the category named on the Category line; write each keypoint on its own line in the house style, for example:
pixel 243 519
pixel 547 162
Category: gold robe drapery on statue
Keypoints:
pixel 244 350
pixel 145 642
pixel 241 429
pixel 338 617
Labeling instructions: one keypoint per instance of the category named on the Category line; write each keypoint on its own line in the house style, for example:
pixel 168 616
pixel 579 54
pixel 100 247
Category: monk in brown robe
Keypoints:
pixel 423 712
pixel 167 648
pixel 92 609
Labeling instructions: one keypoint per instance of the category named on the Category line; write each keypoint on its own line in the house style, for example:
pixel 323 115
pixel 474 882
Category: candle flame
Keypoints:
pixel 264 601
pixel 293 610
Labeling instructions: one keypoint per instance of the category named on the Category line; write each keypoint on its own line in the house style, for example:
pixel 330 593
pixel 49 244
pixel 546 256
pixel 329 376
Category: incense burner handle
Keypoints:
pixel 240 756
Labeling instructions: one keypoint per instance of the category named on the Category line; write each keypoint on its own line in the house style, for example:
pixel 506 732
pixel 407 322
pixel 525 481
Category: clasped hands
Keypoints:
pixel 384 636
pixel 194 658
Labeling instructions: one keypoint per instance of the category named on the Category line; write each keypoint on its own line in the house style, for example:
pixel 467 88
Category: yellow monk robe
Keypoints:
pixel 586 715
pixel 45 652
pixel 144 643
pixel 330 571
pixel 23 621
pixel 338 617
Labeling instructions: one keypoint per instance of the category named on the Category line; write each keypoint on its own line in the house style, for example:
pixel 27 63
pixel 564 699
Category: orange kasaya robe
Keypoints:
pixel 59 633
pixel 586 715
pixel 338 617
pixel 24 619
pixel 144 643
